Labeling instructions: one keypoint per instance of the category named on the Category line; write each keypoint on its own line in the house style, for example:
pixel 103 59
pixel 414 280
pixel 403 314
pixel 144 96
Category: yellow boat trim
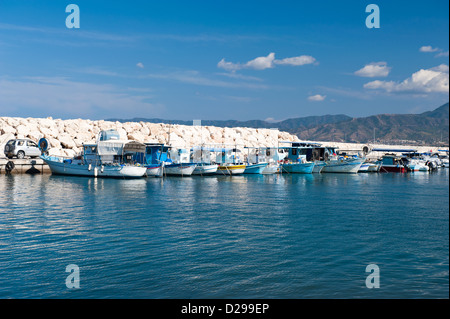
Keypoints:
pixel 231 167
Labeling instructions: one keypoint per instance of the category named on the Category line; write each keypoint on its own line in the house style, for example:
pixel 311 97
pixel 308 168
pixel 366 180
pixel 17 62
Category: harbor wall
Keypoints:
pixel 67 136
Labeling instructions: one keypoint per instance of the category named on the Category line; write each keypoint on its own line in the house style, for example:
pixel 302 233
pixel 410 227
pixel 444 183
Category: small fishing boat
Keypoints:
pixel 255 168
pixel 368 167
pixel 391 163
pixel 202 157
pixel 179 169
pixel 297 167
pixel 416 165
pixel 230 169
pixel 109 157
pixel 297 157
pixel 205 169
pixel 271 168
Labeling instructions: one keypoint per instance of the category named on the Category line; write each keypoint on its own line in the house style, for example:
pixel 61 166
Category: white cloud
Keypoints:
pixel 374 69
pixel 140 65
pixel 428 48
pixel 297 61
pixel 261 63
pixel 316 98
pixel 229 66
pixel 434 80
pixel 266 62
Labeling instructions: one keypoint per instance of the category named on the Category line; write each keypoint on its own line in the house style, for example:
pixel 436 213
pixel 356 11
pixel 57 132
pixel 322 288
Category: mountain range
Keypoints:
pixel 431 127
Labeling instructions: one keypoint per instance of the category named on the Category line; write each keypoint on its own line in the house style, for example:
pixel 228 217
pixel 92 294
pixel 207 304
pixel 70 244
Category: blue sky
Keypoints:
pixel 222 59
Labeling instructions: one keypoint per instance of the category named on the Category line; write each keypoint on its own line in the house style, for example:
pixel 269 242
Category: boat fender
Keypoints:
pixel 101 170
pixel 89 167
pixel 9 166
pixel 95 171
pixel 365 150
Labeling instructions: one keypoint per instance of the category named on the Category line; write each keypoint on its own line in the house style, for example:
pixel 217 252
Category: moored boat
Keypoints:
pixel 205 169
pixel 391 163
pixel 255 168
pixel 230 169
pixel 109 157
pixel 271 168
pixel 297 168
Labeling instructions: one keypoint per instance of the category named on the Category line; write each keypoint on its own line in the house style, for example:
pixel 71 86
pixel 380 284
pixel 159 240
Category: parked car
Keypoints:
pixel 21 148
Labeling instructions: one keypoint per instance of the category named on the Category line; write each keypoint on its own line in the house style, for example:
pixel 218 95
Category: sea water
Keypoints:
pixel 256 236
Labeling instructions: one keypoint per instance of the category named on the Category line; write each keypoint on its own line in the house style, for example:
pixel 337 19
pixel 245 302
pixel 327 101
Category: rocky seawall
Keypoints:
pixel 66 137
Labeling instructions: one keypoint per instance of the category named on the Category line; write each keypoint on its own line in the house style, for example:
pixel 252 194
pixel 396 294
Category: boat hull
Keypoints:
pixel 270 169
pixel 59 166
pixel 392 169
pixel 205 169
pixel 318 167
pixel 182 169
pixel 348 167
pixel 154 170
pixel 230 170
pixel 298 168
pixel 255 168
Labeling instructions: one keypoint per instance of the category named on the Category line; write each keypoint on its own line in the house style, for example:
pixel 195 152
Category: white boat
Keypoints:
pixel 343 165
pixel 230 169
pixel 415 165
pixel 318 166
pixel 154 170
pixel 64 166
pixel 109 157
pixel 367 167
pixel 272 168
pixel 179 169
pixel 205 169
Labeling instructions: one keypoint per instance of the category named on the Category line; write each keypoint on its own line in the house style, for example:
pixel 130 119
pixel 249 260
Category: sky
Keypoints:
pixel 222 60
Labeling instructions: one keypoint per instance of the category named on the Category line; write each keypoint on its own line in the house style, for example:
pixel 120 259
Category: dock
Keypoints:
pixel 23 166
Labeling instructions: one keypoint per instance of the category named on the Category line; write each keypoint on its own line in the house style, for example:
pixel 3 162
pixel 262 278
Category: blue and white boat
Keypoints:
pixel 201 156
pixel 109 157
pixel 159 162
pixel 296 161
pixel 255 168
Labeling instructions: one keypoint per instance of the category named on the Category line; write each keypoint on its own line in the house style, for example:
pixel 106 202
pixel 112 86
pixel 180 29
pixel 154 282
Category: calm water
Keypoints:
pixel 290 236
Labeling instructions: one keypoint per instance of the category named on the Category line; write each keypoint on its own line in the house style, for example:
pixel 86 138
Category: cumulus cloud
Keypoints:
pixel 428 48
pixel 433 80
pixel 316 98
pixel 374 69
pixel 297 61
pixel 266 62
pixel 140 65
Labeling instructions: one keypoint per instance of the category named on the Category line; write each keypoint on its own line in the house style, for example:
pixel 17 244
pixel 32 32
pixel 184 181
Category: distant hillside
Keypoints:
pixel 427 128
pixel 286 125
pixel 430 127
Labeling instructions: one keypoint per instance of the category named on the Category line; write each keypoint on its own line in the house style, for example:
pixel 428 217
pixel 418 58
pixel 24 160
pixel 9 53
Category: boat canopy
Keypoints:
pixel 109 135
pixel 215 149
pixel 117 147
pixel 395 150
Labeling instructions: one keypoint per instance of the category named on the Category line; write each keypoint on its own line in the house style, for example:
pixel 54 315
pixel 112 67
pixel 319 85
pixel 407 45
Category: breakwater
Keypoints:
pixel 67 136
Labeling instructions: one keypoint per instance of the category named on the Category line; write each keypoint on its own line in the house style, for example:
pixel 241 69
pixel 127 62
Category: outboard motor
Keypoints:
pixel 432 165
